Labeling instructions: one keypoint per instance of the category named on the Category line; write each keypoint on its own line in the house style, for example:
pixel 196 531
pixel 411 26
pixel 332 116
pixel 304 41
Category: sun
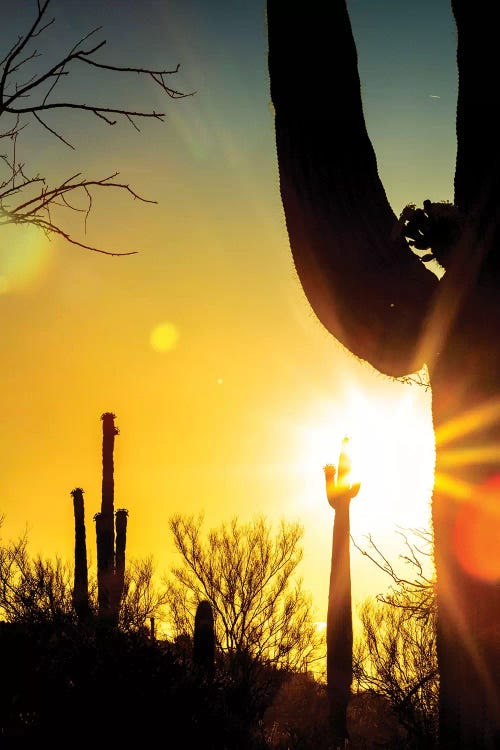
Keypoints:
pixel 391 445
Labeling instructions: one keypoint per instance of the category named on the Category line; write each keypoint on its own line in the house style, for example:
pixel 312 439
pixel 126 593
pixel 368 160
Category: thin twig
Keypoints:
pixel 20 102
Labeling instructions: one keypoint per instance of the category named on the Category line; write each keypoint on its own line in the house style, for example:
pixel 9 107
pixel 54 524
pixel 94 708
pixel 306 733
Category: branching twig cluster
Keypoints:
pixel 395 654
pixel 27 198
pixel 420 378
pixel 415 594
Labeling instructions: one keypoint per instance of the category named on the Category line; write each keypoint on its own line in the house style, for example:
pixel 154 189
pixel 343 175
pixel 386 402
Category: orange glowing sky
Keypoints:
pixel 229 395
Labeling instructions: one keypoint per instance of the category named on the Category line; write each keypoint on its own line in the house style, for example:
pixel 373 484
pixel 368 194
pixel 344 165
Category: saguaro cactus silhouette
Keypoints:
pixel 339 491
pixel 110 563
pixel 110 560
pixel 378 298
pixel 204 639
pixel 81 602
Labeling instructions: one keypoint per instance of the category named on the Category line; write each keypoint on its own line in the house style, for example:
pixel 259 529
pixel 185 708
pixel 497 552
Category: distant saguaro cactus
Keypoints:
pixel 121 542
pixel 81 602
pixel 204 639
pixel 339 618
pixel 110 564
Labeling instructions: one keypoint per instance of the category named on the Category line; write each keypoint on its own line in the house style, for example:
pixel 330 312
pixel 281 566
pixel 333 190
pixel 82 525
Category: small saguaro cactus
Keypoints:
pixel 340 492
pixel 81 602
pixel 204 639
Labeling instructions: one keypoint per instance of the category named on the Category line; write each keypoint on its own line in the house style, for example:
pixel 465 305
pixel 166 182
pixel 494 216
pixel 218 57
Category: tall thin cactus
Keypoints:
pixel 110 564
pixel 121 517
pixel 339 618
pixel 81 603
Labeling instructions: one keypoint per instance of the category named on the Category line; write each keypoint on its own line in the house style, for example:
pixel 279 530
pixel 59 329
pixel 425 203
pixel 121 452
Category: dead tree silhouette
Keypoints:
pixel 376 296
pixel 339 492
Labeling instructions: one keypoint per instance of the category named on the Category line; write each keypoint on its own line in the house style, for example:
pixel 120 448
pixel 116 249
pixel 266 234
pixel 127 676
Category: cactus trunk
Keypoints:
pixel 339 617
pixel 339 626
pixel 81 603
pixel 119 576
pixel 110 572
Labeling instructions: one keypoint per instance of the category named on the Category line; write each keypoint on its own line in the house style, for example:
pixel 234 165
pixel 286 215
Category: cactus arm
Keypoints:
pixel 360 277
pixel 121 542
pixel 80 597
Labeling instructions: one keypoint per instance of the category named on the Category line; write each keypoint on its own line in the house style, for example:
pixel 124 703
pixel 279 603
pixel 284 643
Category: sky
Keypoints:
pixel 229 395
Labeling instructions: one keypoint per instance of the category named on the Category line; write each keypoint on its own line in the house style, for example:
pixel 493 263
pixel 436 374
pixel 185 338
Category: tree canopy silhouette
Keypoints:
pixel 248 575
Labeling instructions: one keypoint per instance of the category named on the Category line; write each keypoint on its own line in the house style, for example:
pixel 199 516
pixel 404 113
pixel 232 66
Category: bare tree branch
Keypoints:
pixel 28 199
pixel 415 594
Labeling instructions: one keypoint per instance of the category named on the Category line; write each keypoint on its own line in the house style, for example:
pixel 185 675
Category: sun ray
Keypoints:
pixel 482 454
pixel 475 419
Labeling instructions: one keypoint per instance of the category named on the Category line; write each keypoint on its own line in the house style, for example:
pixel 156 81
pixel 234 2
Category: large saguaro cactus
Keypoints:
pixel 376 296
pixel 110 552
pixel 110 563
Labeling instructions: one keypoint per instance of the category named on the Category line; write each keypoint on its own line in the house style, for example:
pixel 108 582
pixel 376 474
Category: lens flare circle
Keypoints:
pixel 164 337
pixel 25 257
pixel 476 534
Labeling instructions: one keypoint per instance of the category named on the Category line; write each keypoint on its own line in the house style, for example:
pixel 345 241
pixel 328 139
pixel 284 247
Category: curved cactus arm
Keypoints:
pixel 361 278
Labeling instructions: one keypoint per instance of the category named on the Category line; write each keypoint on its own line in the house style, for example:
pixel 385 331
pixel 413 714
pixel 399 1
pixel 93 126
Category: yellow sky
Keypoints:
pixel 250 398
pixel 236 417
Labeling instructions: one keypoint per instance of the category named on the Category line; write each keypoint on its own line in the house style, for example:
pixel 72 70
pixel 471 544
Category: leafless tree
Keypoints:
pixel 32 589
pixel 35 589
pixel 395 656
pixel 142 599
pixel 395 651
pixel 413 590
pixel 248 576
pixel 29 93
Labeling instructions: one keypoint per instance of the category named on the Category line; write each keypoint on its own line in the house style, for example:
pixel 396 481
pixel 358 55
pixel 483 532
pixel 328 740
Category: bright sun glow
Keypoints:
pixel 392 455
